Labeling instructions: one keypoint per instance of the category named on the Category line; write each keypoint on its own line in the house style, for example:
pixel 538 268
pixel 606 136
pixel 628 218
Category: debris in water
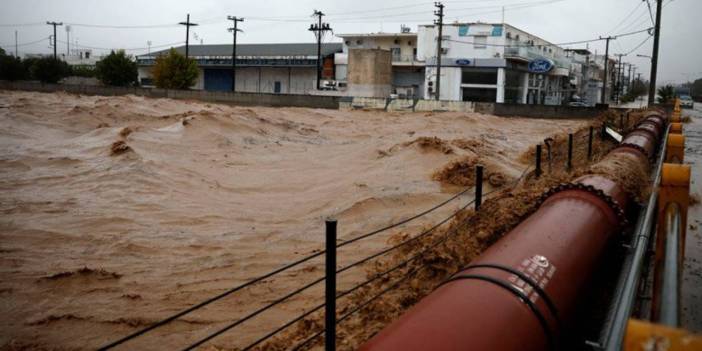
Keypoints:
pixel 119 147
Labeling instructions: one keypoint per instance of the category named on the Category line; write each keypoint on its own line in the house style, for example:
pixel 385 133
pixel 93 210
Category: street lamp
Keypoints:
pixel 646 56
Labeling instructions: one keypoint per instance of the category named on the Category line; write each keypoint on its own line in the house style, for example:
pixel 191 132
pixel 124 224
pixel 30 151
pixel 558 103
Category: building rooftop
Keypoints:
pixel 381 35
pixel 257 50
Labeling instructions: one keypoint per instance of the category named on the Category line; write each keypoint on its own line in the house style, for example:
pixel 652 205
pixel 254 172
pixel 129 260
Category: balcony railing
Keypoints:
pixel 532 52
pixel 405 59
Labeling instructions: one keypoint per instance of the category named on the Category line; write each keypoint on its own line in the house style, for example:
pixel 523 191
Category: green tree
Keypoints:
pixel 174 71
pixel 50 70
pixel 666 94
pixel 11 68
pixel 117 68
pixel 83 71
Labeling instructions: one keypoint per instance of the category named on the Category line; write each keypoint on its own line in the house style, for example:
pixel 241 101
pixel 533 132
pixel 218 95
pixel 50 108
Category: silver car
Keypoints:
pixel 686 101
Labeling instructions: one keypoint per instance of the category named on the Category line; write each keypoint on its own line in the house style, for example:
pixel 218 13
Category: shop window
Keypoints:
pixel 479 76
pixel 479 94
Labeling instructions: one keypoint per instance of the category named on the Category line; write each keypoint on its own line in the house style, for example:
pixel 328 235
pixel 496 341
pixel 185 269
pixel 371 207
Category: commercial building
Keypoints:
pixel 261 68
pixel 380 64
pixel 494 63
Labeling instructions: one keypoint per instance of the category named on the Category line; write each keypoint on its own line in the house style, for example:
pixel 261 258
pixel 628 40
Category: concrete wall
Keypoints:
pixel 369 73
pixel 503 110
pixel 366 103
pixel 278 100
pixel 540 111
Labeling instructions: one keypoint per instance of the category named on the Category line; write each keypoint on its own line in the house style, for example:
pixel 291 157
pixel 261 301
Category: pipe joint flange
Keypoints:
pixel 638 148
pixel 611 203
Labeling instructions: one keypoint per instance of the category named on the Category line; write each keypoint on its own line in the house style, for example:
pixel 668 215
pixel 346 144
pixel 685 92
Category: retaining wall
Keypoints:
pixel 358 103
pixel 252 99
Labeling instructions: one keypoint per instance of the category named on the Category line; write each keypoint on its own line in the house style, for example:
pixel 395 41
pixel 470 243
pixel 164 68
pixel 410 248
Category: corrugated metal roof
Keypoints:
pixel 261 50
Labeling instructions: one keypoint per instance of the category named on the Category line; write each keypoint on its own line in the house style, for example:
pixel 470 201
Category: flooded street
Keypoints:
pixel 119 211
pixel 691 295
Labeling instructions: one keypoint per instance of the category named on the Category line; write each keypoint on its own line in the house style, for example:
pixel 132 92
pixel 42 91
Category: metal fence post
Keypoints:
pixel 478 186
pixel 537 172
pixel 621 123
pixel 589 143
pixel 569 166
pixel 330 287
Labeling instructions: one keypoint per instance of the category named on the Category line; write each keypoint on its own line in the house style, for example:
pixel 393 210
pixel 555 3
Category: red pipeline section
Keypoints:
pixel 517 294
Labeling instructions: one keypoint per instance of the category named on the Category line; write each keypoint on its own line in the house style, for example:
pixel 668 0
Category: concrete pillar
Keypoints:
pixel 525 87
pixel 501 85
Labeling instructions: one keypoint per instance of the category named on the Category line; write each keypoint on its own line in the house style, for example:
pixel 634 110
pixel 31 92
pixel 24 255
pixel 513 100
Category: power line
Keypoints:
pixel 650 12
pixel 640 45
pixel 125 49
pixel 27 43
pixel 627 17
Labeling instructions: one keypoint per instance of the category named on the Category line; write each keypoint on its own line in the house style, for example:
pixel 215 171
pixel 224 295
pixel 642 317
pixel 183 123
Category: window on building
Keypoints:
pixel 479 94
pixel 479 42
pixel 395 52
pixel 479 76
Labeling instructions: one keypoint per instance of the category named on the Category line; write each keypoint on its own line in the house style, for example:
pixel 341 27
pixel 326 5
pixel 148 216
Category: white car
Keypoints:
pixel 686 102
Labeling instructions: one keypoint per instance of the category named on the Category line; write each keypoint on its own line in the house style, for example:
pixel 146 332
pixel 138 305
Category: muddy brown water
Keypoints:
pixel 119 211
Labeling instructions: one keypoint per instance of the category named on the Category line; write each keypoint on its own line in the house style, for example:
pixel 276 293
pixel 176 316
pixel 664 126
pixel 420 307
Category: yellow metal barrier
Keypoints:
pixel 644 336
pixel 675 151
pixel 674 190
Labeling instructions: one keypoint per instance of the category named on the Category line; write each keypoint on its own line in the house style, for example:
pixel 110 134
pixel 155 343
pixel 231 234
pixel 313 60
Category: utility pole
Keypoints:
pixel 234 30
pixel 319 28
pixel 68 40
pixel 440 22
pixel 16 46
pixel 620 76
pixel 654 58
pixel 54 24
pixel 187 25
pixel 603 99
pixel 628 79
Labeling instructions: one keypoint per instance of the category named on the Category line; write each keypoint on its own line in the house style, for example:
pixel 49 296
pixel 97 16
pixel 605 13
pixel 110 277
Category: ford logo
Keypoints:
pixel 540 66
pixel 462 62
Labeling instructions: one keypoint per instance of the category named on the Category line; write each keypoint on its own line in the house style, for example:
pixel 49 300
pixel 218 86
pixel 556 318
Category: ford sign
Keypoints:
pixel 540 65
pixel 463 62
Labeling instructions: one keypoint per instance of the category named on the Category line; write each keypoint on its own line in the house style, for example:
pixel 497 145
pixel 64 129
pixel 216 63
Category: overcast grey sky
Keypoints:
pixel 278 21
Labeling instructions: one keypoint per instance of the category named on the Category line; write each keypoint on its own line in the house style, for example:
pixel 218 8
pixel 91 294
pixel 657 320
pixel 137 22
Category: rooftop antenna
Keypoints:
pixel 503 15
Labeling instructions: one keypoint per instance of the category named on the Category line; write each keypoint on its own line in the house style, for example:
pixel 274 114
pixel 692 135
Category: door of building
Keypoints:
pixel 277 87
pixel 218 80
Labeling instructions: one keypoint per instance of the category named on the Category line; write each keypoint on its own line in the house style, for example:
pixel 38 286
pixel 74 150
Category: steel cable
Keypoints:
pixel 274 272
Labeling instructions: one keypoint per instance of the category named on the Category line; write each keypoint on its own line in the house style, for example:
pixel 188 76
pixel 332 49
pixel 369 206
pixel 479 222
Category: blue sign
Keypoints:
pixel 540 65
pixel 463 62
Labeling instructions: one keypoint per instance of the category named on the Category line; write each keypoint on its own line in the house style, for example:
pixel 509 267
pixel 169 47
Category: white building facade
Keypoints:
pixel 407 71
pixel 494 63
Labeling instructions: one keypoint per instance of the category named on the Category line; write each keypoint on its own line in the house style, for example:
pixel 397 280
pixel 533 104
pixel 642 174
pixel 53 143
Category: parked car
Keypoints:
pixel 686 101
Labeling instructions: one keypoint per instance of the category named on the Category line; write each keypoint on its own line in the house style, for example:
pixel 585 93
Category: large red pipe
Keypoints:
pixel 517 294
